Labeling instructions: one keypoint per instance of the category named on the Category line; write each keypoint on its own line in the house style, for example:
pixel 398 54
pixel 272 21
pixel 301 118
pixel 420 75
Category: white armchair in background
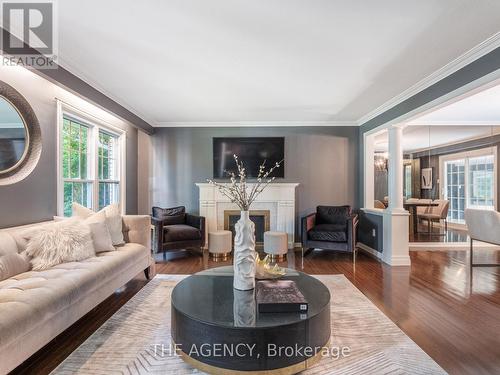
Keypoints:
pixel 484 226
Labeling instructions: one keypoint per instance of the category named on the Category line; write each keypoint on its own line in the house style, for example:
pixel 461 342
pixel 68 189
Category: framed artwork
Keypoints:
pixel 426 178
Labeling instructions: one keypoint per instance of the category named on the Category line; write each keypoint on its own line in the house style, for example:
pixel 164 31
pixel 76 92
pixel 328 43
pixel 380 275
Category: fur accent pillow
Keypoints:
pixel 66 241
pixel 113 220
pixel 22 237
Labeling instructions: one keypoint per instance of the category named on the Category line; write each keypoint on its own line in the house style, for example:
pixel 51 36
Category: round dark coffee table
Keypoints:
pixel 217 329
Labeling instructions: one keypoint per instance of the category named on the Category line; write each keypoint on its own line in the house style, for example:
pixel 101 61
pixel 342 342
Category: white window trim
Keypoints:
pixel 95 124
pixel 465 155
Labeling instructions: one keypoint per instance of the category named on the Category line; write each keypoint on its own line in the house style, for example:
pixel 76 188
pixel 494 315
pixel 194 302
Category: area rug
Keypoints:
pixel 128 342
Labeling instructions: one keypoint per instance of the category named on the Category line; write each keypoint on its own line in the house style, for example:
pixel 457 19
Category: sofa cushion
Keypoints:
pixel 332 214
pixel 180 232
pixel 13 264
pixel 31 299
pixel 8 244
pixel 328 232
pixel 170 216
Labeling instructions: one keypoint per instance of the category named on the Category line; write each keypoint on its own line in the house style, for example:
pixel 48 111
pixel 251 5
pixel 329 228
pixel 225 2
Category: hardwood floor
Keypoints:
pixel 438 234
pixel 451 316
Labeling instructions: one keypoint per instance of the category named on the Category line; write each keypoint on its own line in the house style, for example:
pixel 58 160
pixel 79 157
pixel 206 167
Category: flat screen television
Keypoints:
pixel 252 151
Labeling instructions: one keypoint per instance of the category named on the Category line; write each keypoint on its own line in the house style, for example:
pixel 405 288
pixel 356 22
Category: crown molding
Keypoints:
pixel 70 67
pixel 452 143
pixel 455 123
pixel 243 124
pixel 468 57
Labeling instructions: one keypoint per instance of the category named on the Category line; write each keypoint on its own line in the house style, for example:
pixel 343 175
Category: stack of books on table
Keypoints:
pixel 280 296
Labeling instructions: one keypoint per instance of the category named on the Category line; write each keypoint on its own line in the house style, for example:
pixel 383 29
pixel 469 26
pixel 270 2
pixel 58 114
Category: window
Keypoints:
pixel 455 189
pixel 75 165
pixel 90 167
pixel 469 181
pixel 481 184
pixel 109 181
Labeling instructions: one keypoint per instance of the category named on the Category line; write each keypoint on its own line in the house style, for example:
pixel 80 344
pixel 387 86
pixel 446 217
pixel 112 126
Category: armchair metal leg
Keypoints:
pixel 471 254
pixel 307 252
pixel 482 264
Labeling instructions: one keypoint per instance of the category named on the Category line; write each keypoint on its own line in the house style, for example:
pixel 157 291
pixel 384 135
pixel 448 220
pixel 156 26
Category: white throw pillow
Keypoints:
pixel 81 211
pixel 115 223
pixel 61 242
pixel 113 220
pixel 100 232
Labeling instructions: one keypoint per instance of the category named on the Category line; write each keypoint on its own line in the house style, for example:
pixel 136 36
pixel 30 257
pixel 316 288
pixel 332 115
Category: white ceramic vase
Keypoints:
pixel 244 308
pixel 244 253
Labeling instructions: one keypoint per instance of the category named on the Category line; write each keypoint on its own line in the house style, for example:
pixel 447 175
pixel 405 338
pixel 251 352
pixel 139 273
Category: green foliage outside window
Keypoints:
pixel 77 169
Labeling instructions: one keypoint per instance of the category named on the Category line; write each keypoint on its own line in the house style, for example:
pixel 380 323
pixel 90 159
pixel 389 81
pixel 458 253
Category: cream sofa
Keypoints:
pixel 35 307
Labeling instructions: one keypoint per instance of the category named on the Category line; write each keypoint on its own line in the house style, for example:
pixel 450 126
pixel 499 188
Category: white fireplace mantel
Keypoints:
pixel 278 198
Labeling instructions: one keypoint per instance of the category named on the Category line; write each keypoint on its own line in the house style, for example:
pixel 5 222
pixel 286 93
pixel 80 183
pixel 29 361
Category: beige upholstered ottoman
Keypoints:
pixel 219 244
pixel 276 245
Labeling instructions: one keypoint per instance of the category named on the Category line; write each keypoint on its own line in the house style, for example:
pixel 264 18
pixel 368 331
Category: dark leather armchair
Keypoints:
pixel 174 229
pixel 330 228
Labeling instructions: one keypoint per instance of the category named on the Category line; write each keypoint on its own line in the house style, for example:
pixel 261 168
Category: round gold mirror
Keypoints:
pixel 20 137
pixel 14 137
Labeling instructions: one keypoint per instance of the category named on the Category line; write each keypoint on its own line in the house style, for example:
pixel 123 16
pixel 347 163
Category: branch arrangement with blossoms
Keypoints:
pixel 237 190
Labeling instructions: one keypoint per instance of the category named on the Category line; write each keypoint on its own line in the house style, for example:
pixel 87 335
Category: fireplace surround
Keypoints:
pixel 278 199
pixel 261 219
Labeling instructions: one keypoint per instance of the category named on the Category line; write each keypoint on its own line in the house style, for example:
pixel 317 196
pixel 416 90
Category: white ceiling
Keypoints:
pixel 264 61
pixel 482 108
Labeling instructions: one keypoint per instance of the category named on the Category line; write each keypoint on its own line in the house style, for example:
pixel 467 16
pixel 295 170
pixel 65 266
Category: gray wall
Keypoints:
pixel 323 160
pixel 34 199
pixel 367 223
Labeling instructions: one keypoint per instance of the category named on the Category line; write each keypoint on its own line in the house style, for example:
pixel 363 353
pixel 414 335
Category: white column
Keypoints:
pixel 395 169
pixel 396 249
pixel 369 188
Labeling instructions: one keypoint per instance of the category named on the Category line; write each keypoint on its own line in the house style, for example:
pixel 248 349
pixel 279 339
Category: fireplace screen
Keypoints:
pixel 259 217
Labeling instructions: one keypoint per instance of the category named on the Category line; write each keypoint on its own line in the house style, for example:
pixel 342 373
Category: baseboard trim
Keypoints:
pixel 370 251
pixel 400 261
